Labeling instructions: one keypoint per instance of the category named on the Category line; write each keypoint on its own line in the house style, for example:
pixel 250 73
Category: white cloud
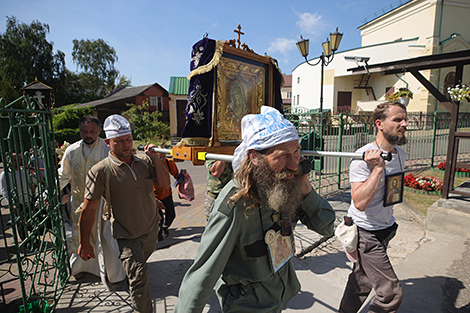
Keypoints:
pixel 282 45
pixel 310 23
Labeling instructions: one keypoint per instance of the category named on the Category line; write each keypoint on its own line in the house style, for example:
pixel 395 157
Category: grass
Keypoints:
pixel 422 202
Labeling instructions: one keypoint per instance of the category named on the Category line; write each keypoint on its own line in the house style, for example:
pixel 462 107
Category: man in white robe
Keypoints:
pixel 75 164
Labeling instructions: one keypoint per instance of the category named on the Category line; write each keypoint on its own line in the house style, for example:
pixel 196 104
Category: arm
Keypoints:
pixel 317 214
pixel 65 170
pixel 162 178
pixel 217 168
pixel 363 193
pixel 85 224
pixel 173 169
pixel 217 243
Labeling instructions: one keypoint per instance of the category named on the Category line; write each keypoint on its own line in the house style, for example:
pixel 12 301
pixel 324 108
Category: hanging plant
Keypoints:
pixel 402 92
pixel 459 93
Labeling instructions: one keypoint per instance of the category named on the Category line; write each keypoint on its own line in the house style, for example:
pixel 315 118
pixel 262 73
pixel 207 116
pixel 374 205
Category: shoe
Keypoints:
pixel 166 232
pixel 79 276
pixel 160 237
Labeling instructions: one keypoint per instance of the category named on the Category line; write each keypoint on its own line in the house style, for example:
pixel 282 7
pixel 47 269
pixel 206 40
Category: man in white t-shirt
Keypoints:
pixel 372 212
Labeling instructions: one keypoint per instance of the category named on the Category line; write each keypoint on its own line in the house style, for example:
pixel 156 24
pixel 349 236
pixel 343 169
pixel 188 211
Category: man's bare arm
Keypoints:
pixel 85 225
pixel 362 193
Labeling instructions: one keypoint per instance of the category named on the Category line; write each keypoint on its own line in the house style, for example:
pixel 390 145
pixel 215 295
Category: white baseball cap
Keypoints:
pixel 116 125
pixel 347 236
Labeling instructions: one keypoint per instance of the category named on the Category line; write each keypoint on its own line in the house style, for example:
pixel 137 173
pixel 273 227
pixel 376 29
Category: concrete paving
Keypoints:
pixel 430 265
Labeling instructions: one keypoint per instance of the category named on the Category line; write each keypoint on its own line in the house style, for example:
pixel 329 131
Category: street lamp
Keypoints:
pixel 329 48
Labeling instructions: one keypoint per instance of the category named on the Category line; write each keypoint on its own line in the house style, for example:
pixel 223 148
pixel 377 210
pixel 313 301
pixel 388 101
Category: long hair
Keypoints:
pixel 247 191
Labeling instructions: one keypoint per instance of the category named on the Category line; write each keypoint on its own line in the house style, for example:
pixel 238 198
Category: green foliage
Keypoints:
pixel 67 134
pixel 25 54
pixel 97 58
pixel 147 124
pixel 65 122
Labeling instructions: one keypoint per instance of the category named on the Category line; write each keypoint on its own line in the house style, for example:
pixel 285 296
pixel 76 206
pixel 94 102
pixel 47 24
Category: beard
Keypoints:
pixel 88 140
pixel 280 194
pixel 395 139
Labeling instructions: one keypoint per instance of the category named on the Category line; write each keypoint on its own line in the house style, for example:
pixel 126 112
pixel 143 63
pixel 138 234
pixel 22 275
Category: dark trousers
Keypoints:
pixel 373 270
pixel 169 212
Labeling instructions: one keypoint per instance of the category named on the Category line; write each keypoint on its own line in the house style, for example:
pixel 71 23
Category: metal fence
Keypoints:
pixel 33 252
pixel 427 145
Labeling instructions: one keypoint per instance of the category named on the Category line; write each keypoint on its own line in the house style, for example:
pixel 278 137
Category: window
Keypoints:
pixel 289 94
pixel 298 100
pixel 156 102
pixel 298 80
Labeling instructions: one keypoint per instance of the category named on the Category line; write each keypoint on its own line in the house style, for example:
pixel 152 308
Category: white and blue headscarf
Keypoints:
pixel 263 131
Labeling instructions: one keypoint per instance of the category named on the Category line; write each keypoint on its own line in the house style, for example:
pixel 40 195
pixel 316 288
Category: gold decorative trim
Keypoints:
pixel 219 49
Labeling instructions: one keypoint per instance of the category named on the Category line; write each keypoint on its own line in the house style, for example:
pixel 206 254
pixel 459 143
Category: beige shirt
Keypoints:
pixel 134 208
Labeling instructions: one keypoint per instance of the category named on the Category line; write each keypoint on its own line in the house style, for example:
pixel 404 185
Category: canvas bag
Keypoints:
pixel 184 183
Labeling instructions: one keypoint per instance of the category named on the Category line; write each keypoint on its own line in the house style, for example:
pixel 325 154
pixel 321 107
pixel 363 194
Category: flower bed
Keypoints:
pixel 423 184
pixel 459 172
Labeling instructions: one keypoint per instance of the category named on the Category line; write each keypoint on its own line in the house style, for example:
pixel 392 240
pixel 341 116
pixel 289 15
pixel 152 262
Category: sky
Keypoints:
pixel 153 39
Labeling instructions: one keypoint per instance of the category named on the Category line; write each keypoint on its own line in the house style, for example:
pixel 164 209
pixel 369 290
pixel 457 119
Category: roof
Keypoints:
pixel 37 85
pixel 417 64
pixel 125 93
pixel 178 85
pixel 287 81
pixel 392 7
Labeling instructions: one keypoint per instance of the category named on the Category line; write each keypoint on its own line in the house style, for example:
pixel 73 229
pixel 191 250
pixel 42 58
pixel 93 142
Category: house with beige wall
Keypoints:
pixel 413 29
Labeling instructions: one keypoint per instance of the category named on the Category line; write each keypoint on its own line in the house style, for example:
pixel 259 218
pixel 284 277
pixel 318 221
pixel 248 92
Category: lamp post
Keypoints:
pixel 329 48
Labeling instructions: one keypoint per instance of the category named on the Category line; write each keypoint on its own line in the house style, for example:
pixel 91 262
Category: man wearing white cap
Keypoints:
pixel 247 246
pixel 126 182
pixel 372 183
pixel 76 162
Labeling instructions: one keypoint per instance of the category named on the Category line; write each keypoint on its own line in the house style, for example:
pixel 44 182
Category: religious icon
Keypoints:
pixel 280 249
pixel 393 189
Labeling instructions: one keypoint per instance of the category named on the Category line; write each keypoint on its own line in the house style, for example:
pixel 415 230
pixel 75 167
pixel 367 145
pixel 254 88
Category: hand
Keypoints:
pixel 374 157
pixel 86 252
pixel 305 185
pixel 162 155
pixel 148 150
pixel 65 199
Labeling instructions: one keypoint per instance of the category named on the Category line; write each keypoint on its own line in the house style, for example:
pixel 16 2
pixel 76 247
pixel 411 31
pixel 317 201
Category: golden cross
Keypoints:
pixel 239 32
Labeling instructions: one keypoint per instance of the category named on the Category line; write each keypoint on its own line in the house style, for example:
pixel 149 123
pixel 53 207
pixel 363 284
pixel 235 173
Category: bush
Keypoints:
pixel 67 134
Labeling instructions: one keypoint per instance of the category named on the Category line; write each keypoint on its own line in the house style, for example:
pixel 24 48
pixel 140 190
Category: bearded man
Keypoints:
pixel 372 189
pixel 263 203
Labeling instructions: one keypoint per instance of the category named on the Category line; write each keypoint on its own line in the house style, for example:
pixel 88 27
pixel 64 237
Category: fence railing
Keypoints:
pixel 427 145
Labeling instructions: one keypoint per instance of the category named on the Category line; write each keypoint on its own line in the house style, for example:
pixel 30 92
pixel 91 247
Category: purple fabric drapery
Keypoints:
pixel 199 106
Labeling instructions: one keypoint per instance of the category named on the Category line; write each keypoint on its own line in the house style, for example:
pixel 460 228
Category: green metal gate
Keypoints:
pixel 33 252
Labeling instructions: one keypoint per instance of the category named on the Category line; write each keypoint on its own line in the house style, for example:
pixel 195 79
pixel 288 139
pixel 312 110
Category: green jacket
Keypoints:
pixel 233 255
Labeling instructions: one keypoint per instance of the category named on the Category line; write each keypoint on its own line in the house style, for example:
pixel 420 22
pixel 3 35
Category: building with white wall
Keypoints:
pixel 415 28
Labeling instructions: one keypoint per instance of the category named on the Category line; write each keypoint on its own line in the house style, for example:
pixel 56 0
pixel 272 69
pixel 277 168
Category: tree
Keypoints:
pixel 65 122
pixel 147 124
pixel 25 54
pixel 96 58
